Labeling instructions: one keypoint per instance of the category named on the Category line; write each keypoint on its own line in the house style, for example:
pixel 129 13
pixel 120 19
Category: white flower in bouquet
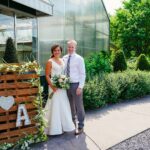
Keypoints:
pixel 62 76
pixel 60 80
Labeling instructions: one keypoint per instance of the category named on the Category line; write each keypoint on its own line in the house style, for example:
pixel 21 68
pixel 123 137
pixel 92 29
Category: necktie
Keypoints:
pixel 68 66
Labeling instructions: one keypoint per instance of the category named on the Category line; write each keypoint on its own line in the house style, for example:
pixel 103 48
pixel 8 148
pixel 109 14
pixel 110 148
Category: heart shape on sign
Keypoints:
pixel 6 102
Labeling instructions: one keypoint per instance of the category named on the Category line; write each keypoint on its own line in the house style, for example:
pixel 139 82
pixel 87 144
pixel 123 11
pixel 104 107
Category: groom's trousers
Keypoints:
pixel 76 104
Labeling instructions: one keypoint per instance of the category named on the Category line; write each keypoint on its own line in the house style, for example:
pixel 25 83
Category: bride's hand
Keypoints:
pixel 54 89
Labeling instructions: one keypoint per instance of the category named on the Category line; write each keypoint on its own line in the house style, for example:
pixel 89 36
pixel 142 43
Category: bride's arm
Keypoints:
pixel 48 74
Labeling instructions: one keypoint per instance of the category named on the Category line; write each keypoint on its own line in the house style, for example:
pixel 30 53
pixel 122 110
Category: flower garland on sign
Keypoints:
pixel 25 67
pixel 25 142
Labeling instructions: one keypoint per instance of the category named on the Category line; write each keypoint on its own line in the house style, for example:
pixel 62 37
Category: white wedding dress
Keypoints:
pixel 57 109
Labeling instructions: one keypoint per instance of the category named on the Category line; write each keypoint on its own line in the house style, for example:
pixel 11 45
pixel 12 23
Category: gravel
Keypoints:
pixel 140 141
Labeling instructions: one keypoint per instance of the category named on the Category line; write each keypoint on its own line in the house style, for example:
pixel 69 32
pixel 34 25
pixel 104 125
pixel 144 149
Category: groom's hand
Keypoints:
pixel 79 91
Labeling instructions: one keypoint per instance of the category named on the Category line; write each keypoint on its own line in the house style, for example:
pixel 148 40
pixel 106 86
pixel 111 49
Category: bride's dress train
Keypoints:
pixel 57 110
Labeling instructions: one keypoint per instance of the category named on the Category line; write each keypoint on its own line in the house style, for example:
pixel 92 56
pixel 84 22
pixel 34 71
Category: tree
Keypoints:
pixel 130 27
pixel 10 55
pixel 98 63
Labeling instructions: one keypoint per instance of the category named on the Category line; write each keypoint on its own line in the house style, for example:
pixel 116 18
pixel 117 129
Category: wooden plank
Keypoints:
pixel 15 139
pixel 19 92
pixel 8 117
pixel 7 126
pixel 18 132
pixel 12 117
pixel 15 85
pixel 8 93
pixel 11 125
pixel 27 91
pixel 18 76
pixel 12 140
pixel 25 99
pixel 8 77
pixel 27 76
pixel 15 108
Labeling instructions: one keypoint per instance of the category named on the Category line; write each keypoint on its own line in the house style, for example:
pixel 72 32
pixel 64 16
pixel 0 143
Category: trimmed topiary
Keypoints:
pixel 10 55
pixel 142 63
pixel 119 61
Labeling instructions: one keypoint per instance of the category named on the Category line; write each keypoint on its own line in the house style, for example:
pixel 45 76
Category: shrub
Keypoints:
pixel 115 87
pixel 98 63
pixel 142 63
pixel 119 61
pixel 94 95
pixel 148 58
pixel 10 55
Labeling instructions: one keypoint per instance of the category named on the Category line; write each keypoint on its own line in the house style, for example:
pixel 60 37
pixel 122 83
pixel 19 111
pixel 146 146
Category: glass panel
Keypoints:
pixel 85 21
pixel 102 27
pixel 81 17
pixel 51 31
pixel 26 38
pixel 6 30
pixel 102 41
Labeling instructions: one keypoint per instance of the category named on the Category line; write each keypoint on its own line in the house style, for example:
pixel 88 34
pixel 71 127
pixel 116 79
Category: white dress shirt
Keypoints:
pixel 77 69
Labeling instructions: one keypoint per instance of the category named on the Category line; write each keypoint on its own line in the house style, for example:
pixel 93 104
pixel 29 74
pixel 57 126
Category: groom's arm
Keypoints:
pixel 82 73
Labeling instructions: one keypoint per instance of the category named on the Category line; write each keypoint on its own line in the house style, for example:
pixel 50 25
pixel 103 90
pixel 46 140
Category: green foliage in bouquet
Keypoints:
pixel 119 61
pixel 142 63
pixel 10 55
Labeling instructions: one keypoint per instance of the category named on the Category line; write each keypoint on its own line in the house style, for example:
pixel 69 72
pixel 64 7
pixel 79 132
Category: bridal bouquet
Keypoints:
pixel 61 82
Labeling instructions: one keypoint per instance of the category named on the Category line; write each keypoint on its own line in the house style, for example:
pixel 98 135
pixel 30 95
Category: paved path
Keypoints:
pixel 113 124
pixel 67 141
pixel 105 127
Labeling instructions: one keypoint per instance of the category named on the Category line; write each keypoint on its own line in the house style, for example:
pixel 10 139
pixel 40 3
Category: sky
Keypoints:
pixel 111 5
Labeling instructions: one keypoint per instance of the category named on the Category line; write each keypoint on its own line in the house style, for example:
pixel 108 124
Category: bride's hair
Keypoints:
pixel 53 48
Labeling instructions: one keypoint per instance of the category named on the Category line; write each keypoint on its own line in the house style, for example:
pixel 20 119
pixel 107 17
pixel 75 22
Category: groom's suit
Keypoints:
pixel 77 78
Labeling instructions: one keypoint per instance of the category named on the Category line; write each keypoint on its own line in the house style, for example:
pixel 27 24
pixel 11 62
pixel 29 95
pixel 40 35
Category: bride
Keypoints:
pixel 57 109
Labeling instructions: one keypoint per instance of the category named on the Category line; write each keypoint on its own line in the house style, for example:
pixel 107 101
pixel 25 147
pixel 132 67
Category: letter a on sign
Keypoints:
pixel 22 110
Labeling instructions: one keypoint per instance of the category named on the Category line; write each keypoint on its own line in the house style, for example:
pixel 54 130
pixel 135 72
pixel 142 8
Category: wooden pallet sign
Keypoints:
pixel 17 108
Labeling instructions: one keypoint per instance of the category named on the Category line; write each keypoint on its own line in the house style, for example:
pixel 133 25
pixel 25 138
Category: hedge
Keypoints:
pixel 115 87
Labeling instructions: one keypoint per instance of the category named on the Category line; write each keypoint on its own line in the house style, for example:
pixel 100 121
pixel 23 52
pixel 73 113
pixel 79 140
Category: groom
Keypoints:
pixel 75 69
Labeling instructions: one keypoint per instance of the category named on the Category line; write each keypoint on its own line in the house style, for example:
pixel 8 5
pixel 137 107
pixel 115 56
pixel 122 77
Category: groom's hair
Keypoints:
pixel 72 41
pixel 54 47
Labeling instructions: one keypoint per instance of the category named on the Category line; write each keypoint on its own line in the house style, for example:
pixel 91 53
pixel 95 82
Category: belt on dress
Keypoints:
pixel 74 83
